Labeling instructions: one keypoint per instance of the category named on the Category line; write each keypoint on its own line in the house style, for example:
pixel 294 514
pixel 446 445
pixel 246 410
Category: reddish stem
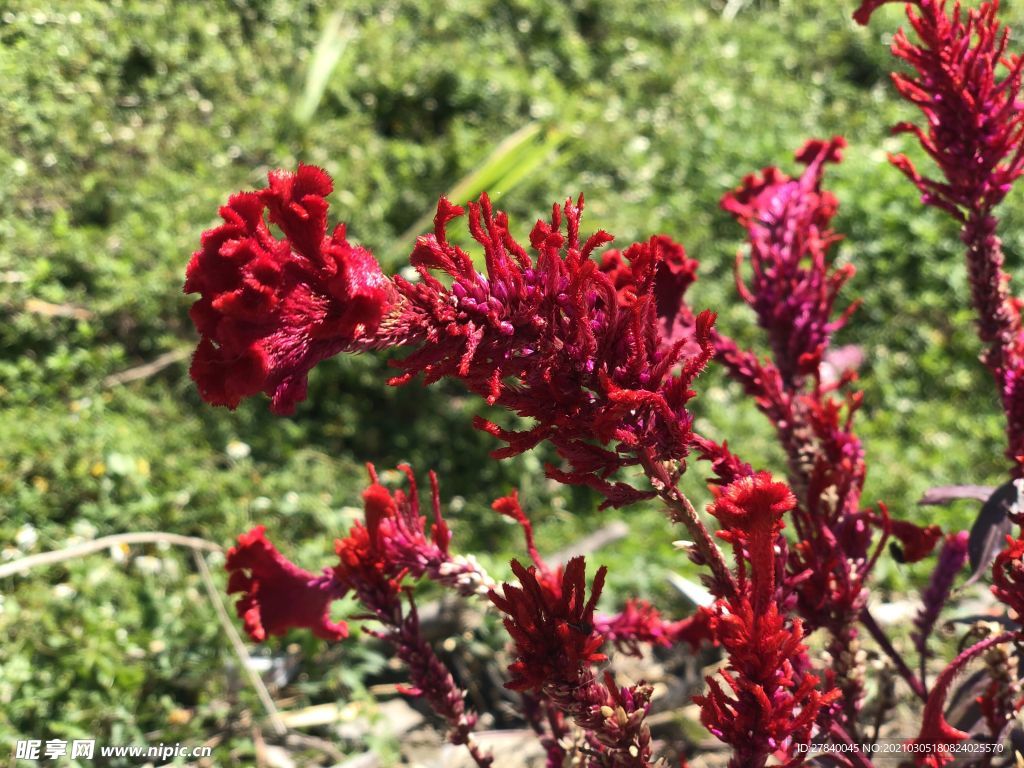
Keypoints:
pixel 901 666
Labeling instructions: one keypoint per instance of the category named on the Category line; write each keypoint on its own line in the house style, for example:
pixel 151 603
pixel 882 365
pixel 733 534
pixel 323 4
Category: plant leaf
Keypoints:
pixel 329 48
pixel 513 159
pixel 947 494
pixel 990 529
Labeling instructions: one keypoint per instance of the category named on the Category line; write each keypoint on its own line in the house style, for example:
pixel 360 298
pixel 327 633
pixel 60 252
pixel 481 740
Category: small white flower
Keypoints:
pixel 26 537
pixel 238 450
pixel 148 564
pixel 64 591
pixel 84 529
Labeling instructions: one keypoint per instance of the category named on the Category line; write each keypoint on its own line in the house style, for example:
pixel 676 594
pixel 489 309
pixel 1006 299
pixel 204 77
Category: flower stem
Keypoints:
pixel 682 511
pixel 901 666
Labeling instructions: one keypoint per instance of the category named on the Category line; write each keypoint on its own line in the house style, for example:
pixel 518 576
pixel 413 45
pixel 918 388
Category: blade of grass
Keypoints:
pixel 511 161
pixel 329 49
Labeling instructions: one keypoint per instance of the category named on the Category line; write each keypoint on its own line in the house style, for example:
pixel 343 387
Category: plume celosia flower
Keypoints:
pixel 951 560
pixel 556 643
pixel 374 560
pixel 270 309
pixel 792 289
pixel 551 623
pixel 968 86
pixel 750 510
pixel 394 544
pixel 556 339
pixel 769 704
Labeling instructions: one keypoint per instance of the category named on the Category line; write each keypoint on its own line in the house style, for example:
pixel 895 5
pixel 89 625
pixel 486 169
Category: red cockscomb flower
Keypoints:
pixel 769 704
pixel 278 595
pixel 793 288
pixel 270 309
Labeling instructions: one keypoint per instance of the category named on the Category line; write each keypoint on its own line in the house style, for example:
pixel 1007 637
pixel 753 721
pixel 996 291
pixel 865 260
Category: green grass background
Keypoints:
pixel 125 125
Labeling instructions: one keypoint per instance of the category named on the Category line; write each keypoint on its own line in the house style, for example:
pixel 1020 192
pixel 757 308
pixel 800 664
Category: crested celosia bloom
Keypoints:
pixel 968 86
pixel 270 309
pixel 769 703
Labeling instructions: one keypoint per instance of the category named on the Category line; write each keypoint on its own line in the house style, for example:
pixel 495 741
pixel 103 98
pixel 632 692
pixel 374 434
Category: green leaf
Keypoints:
pixel 334 39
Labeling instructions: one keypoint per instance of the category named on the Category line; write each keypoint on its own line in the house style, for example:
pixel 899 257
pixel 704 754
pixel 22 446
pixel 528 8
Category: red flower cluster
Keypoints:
pixel 393 544
pixel 278 595
pixel 793 289
pixel 968 86
pixel 770 703
pixel 268 309
pixel 600 352
pixel 750 510
pixel 375 559
pixel 558 340
pixel 597 357
pixel 552 624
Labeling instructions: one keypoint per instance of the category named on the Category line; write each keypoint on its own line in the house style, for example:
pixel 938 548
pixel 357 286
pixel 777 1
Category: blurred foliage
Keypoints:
pixel 127 123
